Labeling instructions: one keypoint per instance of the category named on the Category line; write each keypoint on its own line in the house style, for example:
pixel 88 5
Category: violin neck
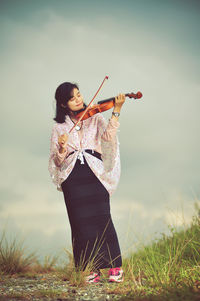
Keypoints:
pixel 109 99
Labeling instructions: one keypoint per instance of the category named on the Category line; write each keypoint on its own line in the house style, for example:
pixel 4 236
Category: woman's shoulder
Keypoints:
pixel 59 126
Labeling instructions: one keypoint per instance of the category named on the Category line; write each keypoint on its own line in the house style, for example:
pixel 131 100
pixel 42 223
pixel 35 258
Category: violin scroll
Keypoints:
pixel 133 95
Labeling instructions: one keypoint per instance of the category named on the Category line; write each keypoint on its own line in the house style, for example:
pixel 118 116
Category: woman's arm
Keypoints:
pixel 111 130
pixel 113 123
pixel 58 150
pixel 119 101
pixel 59 157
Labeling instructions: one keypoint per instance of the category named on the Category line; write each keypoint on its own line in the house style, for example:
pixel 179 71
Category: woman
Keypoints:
pixel 85 166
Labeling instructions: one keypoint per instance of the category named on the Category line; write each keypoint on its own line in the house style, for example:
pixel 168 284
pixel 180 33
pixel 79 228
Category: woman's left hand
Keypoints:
pixel 119 100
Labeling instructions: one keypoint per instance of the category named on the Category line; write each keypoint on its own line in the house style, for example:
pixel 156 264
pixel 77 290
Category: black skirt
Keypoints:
pixel 94 238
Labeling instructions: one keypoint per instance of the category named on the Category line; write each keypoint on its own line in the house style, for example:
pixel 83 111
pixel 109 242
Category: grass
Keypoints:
pixel 42 293
pixel 170 266
pixel 12 256
pixel 166 269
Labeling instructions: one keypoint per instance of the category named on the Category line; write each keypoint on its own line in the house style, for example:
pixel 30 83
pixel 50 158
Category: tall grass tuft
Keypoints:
pixel 76 275
pixel 12 256
pixel 49 264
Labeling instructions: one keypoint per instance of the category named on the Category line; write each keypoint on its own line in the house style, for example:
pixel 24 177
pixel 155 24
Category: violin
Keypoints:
pixel 103 105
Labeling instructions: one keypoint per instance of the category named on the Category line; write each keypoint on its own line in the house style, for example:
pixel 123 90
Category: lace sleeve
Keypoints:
pixel 55 155
pixel 55 158
pixel 109 141
pixel 111 130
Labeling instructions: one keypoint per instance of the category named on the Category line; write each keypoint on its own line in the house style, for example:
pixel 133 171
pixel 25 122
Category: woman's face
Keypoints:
pixel 75 103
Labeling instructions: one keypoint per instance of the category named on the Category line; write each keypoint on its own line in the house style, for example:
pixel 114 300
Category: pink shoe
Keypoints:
pixel 93 277
pixel 116 275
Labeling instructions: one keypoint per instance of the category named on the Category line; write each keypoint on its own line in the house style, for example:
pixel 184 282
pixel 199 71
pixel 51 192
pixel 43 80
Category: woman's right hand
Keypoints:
pixel 62 141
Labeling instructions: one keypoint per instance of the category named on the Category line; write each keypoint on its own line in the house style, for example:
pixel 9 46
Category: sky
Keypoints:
pixel 149 46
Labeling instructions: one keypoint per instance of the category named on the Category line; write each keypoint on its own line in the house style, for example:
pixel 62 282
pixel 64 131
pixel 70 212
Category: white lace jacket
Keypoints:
pixel 96 134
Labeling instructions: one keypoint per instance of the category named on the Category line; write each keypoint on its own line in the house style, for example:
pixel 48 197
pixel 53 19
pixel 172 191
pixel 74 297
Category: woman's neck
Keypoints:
pixel 73 117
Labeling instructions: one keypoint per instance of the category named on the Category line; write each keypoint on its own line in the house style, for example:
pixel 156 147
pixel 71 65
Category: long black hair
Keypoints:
pixel 62 95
